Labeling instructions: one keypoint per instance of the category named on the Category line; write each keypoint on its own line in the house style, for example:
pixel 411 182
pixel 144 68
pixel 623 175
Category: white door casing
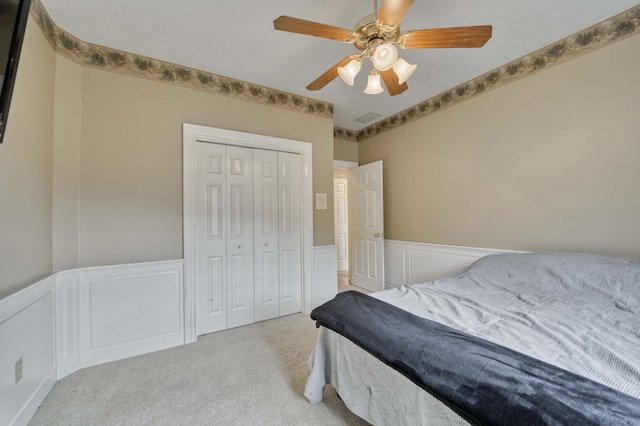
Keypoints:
pixel 368 227
pixel 341 222
pixel 192 134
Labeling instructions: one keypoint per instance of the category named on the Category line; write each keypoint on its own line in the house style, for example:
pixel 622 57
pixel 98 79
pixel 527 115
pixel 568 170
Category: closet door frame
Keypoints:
pixel 193 134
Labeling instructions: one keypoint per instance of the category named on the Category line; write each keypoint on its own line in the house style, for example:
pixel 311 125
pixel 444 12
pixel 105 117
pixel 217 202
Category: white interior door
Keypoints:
pixel 290 221
pixel 249 235
pixel 211 244
pixel 341 222
pixel 224 243
pixel 240 265
pixel 368 227
pixel 266 232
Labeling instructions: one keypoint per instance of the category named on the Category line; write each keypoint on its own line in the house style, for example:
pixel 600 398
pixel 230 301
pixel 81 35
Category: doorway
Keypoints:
pixel 342 225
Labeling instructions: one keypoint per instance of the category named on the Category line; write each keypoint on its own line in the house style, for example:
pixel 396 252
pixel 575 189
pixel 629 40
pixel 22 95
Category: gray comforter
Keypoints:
pixel 483 382
pixel 577 311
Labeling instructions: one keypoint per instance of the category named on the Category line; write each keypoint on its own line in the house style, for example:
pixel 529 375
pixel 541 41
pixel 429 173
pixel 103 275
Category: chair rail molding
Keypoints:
pixel 407 262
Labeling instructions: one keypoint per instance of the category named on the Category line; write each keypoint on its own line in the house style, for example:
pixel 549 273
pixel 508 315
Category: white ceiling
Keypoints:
pixel 235 38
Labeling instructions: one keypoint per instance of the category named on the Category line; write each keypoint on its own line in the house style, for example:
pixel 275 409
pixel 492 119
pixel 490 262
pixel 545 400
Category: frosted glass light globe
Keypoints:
pixel 384 57
pixel 403 70
pixel 373 84
pixel 349 71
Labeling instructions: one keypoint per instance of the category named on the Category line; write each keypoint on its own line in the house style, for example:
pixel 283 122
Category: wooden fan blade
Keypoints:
pixel 328 76
pixel 392 11
pixel 446 37
pixel 300 26
pixel 391 81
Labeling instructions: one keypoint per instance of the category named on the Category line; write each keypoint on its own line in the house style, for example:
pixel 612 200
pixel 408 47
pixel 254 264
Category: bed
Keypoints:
pixel 526 338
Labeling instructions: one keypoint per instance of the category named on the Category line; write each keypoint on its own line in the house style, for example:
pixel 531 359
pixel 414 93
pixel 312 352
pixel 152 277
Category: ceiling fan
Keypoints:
pixel 376 36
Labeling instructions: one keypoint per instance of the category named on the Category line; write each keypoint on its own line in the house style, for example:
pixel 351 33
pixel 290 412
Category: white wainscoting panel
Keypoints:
pixel 68 324
pixel 26 332
pixel 114 312
pixel 325 274
pixel 409 262
pixel 83 317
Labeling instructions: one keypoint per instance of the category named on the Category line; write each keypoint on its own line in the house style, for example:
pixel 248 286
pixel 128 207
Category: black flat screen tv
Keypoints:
pixel 13 21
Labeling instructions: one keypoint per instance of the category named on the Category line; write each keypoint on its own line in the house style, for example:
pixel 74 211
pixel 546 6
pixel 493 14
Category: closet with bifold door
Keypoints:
pixel 248 235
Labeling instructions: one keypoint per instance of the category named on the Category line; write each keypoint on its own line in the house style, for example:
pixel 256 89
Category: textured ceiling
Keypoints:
pixel 235 38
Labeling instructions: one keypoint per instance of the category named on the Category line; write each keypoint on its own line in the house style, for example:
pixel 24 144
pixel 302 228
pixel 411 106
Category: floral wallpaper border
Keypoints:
pixel 140 66
pixel 600 35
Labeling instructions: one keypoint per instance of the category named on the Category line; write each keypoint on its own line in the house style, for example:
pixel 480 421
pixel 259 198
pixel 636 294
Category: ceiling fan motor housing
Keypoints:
pixel 368 35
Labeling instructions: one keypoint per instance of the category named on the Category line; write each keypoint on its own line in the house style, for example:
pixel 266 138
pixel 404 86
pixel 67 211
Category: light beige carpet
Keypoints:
pixel 252 375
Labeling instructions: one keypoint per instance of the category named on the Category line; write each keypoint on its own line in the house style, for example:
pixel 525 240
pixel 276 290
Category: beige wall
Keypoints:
pixel 551 162
pixel 345 150
pixel 66 164
pixel 341 174
pixel 91 167
pixel 26 168
pixel 131 167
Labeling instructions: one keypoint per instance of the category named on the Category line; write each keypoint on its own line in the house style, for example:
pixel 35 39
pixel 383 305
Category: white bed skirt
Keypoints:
pixel 371 389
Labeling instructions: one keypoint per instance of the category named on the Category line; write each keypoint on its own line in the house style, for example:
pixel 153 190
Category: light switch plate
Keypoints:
pixel 321 201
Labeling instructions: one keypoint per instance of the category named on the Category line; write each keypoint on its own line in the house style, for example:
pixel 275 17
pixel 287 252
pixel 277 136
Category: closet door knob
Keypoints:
pixel 266 244
pixel 239 246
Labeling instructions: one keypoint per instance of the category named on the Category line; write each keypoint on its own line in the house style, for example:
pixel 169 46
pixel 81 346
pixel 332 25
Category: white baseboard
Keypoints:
pixel 83 317
pixel 407 262
pixel 40 393
pixel 324 285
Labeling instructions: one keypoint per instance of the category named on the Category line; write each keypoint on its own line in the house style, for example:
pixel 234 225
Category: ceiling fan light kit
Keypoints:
pixel 384 56
pixel 348 72
pixel 374 86
pixel 403 70
pixel 376 36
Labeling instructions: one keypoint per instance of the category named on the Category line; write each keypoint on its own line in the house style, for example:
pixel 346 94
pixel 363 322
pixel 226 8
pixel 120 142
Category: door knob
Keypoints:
pixel 266 244
pixel 239 246
pixel 377 235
